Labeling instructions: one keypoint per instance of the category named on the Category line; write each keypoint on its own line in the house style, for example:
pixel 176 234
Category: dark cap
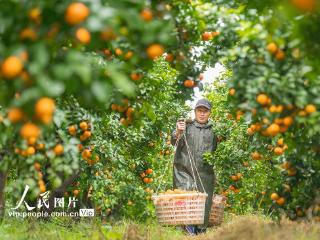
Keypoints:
pixel 203 103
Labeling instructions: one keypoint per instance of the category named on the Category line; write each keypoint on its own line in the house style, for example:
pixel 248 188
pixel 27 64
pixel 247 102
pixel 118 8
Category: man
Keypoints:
pixel 201 139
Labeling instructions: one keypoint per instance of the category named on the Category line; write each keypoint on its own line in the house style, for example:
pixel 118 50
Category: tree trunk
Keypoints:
pixel 59 192
pixel 3 180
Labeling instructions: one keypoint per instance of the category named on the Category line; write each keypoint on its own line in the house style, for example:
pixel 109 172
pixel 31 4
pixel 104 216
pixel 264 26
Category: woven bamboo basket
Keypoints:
pixel 217 210
pixel 180 209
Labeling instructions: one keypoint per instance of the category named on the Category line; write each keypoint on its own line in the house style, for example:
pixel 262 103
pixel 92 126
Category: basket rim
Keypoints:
pixel 178 194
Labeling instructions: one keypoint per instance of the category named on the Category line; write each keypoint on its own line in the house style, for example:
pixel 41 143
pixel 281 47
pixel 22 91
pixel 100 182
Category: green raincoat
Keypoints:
pixel 200 139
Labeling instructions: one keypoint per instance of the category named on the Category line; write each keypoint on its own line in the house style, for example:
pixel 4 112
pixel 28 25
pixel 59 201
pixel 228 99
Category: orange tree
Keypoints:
pixel 273 85
pixel 96 51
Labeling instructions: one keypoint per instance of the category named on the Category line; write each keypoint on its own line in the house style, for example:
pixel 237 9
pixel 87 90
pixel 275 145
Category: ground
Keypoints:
pixel 234 227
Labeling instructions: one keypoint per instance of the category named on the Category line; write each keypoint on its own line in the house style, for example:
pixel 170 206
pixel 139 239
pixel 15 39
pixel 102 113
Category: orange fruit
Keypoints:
pixel 86 154
pixel 288 121
pixel 40 146
pixel 135 76
pixel 11 67
pixel 84 126
pixel 72 130
pixel 281 201
pixel 274 196
pixel 278 151
pixel 188 83
pixel 310 108
pixel 262 99
pixel 272 48
pixel 149 171
pixel 42 188
pixel 280 141
pixel 114 107
pixel 30 130
pixel 58 149
pixel 278 121
pixel 34 14
pixel 286 165
pixel 76 192
pixel 129 112
pixel 128 55
pixel 28 34
pixel 250 131
pixel 280 55
pixel 234 178
pixel 146 15
pixel 146 180
pixel 232 91
pixel 83 35
pixel 206 36
pixel 150 180
pixel 118 51
pixel 239 176
pixel 44 109
pixel 169 57
pixel 15 115
pixel 31 141
pixel 302 113
pixel 273 109
pixel 31 150
pixel 154 51
pixel 87 134
pixel 305 5
pixel 76 13
pixel 273 129
pixel 37 166
pixel 255 155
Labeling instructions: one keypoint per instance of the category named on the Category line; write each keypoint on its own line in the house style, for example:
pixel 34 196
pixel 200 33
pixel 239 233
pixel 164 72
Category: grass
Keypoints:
pixel 235 227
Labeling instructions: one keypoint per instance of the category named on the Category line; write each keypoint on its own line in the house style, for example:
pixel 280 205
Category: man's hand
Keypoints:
pixel 181 126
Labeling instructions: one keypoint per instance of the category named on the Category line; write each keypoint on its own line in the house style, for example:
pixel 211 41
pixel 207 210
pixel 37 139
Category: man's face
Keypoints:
pixel 202 114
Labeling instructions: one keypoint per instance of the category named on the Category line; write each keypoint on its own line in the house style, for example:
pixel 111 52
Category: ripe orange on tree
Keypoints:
pixel 146 15
pixel 58 149
pixel 169 57
pixel 272 48
pixel 135 76
pixel 11 67
pixel 278 151
pixel 149 171
pixel 288 121
pixel 83 126
pixel 72 130
pixel 274 196
pixel 154 51
pixel 188 83
pixel 263 99
pixel 31 150
pixel 83 35
pixel 310 108
pixel 232 91
pixel 206 36
pixel 76 13
pixel 273 129
pixel 305 5
pixel 37 166
pixel 35 15
pixel 86 134
pixel 15 115
pixel 281 201
pixel 280 55
pixel 44 109
pixel 30 130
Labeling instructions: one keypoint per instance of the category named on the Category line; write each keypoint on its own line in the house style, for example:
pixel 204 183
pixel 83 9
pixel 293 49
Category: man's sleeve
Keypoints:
pixel 215 142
